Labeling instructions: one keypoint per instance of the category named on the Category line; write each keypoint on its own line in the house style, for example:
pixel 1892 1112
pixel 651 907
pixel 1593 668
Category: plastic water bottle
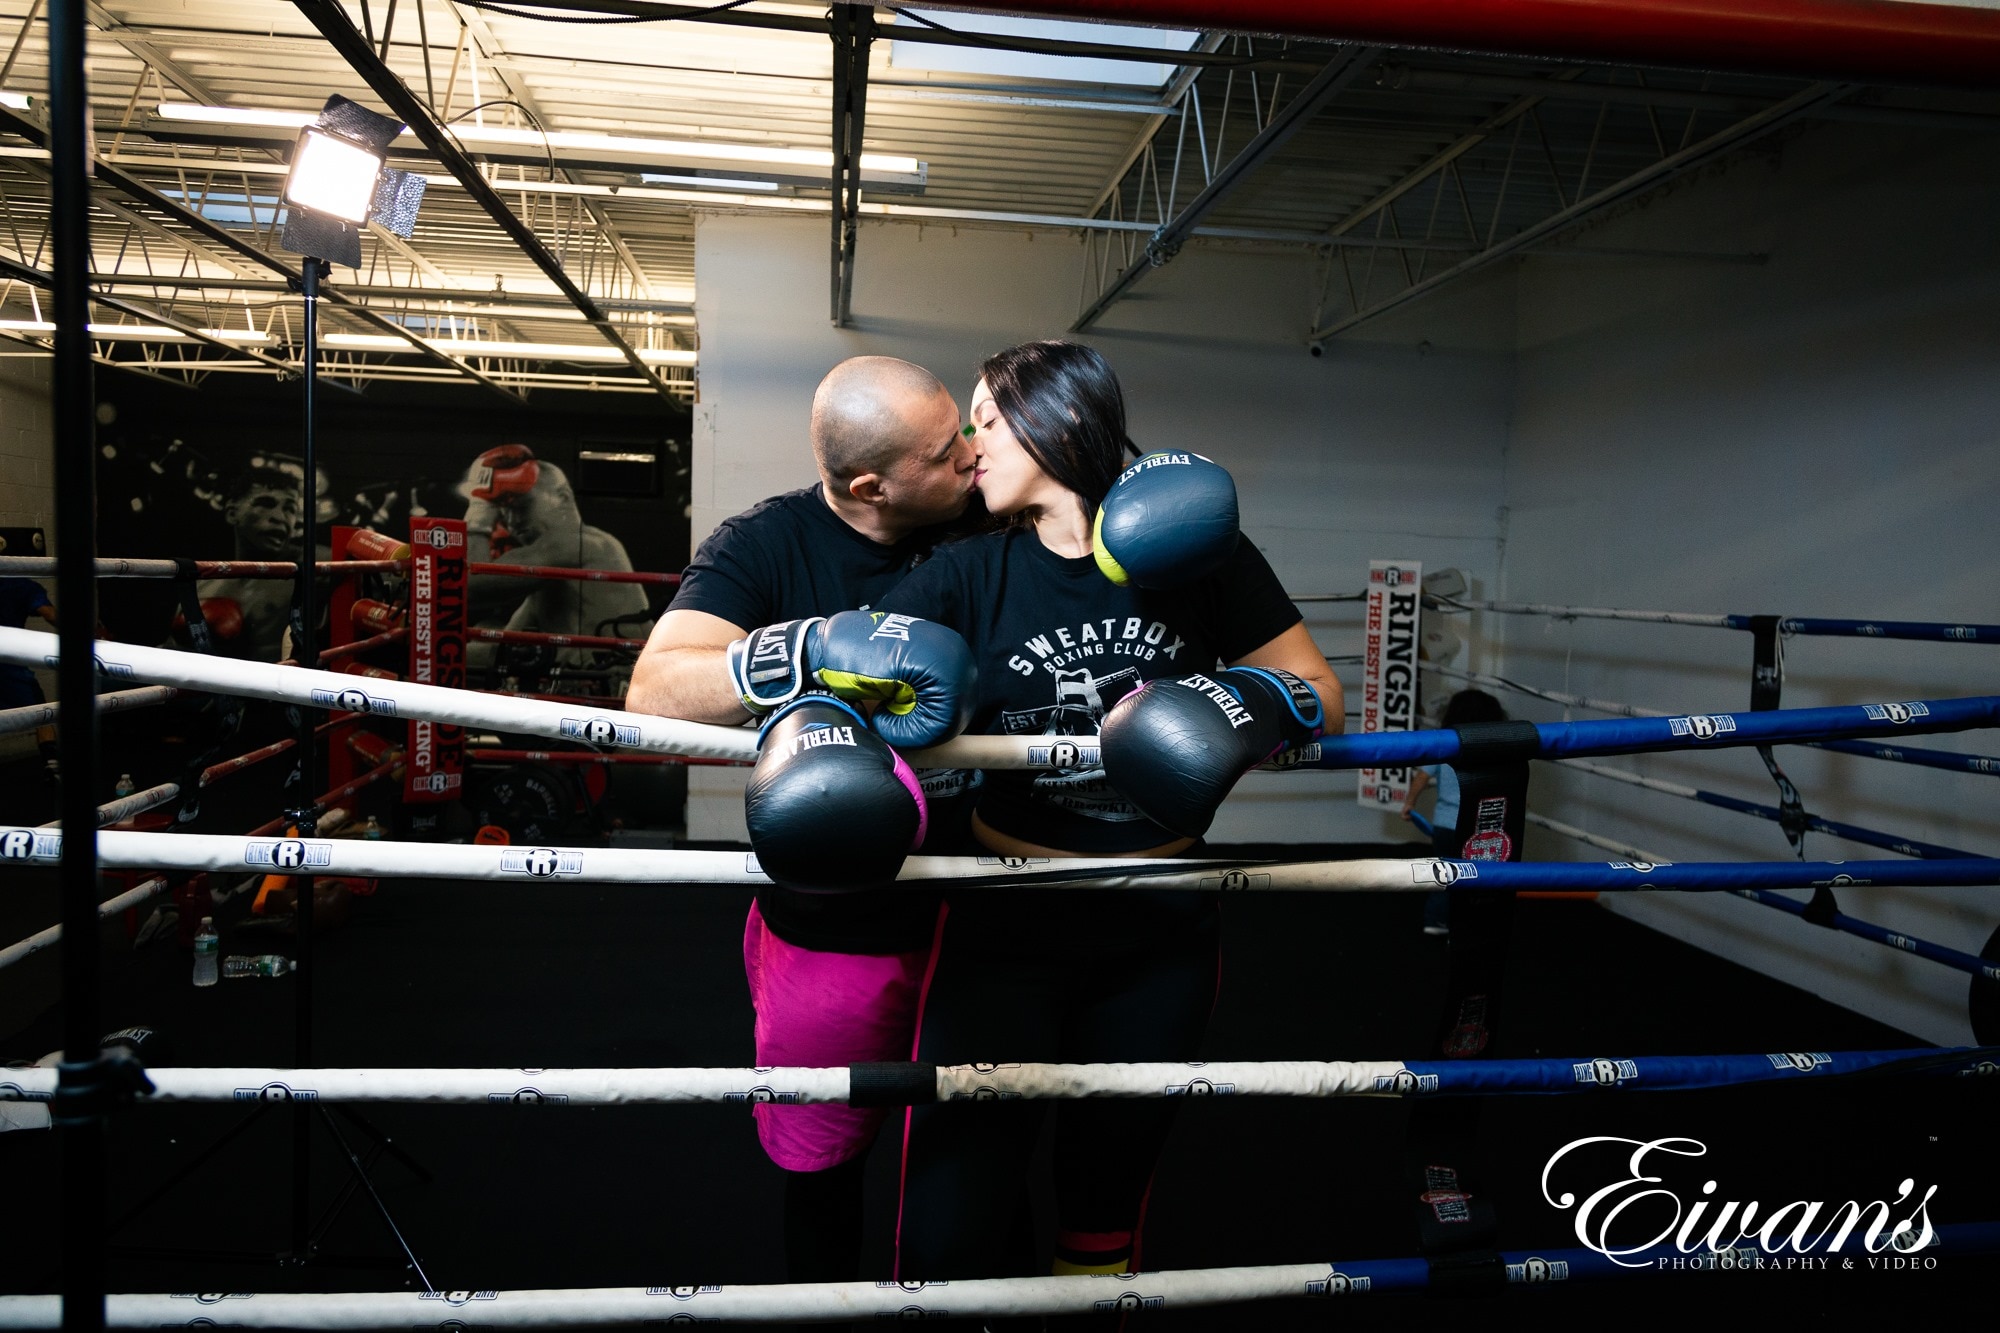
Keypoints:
pixel 206 945
pixel 260 965
pixel 125 786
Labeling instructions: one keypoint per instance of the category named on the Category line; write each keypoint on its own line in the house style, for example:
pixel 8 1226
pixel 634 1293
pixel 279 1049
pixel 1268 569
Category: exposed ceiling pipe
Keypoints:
pixel 1870 41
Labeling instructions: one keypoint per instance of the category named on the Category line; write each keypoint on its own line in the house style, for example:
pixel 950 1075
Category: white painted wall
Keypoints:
pixel 1377 450
pixel 1813 436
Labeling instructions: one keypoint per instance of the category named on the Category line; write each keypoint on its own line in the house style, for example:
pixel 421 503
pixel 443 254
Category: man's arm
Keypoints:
pixel 681 672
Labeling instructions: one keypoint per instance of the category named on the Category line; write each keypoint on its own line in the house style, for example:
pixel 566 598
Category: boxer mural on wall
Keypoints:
pixel 521 510
pixel 265 510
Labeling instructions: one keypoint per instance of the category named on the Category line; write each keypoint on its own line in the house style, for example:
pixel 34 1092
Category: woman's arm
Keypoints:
pixel 1419 779
pixel 1295 651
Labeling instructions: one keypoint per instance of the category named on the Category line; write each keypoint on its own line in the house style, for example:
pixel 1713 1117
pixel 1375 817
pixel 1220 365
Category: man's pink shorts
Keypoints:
pixel 818 1008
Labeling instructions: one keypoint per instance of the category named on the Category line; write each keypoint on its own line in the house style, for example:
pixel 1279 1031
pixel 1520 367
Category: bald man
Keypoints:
pixel 835 978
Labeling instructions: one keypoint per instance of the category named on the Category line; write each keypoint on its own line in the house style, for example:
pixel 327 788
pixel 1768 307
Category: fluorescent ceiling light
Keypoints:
pixel 620 145
pixel 236 115
pixel 707 182
pixel 138 332
pixel 1023 65
pixel 17 101
pixel 527 351
pixel 333 176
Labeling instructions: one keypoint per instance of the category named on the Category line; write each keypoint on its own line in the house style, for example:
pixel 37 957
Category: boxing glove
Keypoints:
pixel 224 617
pixel 918 672
pixel 1169 519
pixel 830 807
pixel 1174 748
pixel 502 473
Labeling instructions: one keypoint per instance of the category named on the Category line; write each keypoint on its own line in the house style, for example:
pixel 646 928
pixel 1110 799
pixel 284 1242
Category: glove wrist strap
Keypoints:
pixel 768 667
pixel 1301 700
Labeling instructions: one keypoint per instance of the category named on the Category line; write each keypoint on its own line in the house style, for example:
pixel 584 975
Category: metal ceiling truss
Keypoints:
pixel 361 55
pixel 910 31
pixel 417 302
pixel 1200 137
pixel 853 34
pixel 229 250
pixel 1525 176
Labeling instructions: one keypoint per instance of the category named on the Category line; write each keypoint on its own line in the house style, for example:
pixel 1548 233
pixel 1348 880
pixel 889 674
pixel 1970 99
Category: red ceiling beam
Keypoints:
pixel 1871 41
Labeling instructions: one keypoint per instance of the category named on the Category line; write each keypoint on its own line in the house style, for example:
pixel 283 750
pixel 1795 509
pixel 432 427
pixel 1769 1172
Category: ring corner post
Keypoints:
pixel 79 1112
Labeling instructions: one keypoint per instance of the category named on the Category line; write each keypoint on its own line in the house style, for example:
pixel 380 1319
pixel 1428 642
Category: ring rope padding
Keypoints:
pixel 988 1298
pixel 406 699
pixel 913 1083
pixel 377 859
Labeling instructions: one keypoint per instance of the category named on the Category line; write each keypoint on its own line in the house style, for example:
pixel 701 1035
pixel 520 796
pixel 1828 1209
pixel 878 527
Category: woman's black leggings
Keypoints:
pixel 966 1164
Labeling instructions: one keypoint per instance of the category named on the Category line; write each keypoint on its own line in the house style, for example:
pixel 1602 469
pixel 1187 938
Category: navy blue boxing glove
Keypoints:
pixel 1169 519
pixel 919 673
pixel 830 807
pixel 1174 748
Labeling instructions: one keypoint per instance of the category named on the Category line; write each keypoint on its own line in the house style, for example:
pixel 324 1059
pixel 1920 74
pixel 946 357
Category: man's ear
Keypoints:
pixel 867 488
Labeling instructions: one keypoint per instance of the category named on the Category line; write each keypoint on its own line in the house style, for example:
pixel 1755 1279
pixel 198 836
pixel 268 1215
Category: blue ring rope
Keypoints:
pixel 1547 1267
pixel 1814 823
pixel 1867 930
pixel 1895 939
pixel 1702 876
pixel 1910 754
pixel 1641 735
pixel 1927 630
pixel 1680 1073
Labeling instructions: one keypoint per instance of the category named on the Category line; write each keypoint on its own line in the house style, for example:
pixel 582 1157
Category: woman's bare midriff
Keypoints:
pixel 1007 845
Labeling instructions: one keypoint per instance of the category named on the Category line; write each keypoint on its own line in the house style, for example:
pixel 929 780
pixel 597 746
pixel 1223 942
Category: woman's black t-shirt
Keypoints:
pixel 1057 644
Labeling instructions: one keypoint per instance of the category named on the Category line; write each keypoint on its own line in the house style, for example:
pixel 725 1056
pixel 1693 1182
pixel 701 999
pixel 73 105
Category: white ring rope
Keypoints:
pixel 42 939
pixel 782 1085
pixel 1553 696
pixel 370 858
pixel 1624 849
pixel 122 809
pixel 16 720
pixel 1586 612
pixel 832 1302
pixel 404 700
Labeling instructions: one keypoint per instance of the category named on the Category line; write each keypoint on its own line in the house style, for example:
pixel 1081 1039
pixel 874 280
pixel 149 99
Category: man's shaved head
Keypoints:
pixel 871 413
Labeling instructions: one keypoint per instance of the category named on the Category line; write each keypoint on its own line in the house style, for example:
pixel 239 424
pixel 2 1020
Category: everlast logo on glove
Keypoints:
pixel 818 736
pixel 771 653
pixel 892 627
pixel 1232 707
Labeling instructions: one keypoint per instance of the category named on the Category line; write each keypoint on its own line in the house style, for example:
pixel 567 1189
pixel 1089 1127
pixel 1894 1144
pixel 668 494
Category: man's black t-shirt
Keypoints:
pixel 1057 644
pixel 785 559
pixel 792 557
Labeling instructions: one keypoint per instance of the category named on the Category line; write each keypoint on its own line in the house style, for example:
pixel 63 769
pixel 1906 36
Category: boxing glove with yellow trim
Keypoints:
pixel 918 673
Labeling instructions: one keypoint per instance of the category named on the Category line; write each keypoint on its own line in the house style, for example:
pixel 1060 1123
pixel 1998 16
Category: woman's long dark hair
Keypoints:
pixel 1064 405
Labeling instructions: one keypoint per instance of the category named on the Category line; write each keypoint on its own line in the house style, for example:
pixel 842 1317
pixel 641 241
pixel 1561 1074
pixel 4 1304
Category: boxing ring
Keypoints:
pixel 609 735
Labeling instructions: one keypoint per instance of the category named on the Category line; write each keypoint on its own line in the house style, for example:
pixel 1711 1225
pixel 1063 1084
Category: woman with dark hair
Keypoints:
pixel 1065 976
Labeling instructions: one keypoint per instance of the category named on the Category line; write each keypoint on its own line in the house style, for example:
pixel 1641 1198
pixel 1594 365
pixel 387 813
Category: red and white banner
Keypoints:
pixel 435 767
pixel 1389 679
